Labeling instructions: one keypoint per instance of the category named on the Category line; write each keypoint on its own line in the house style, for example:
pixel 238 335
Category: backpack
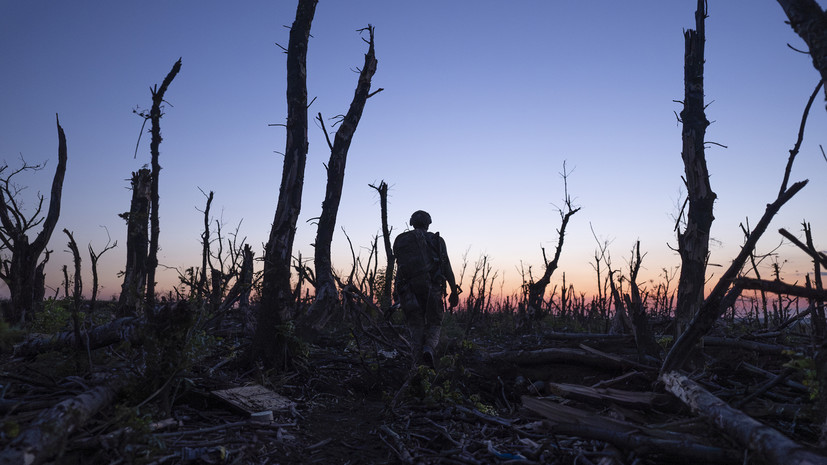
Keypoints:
pixel 417 253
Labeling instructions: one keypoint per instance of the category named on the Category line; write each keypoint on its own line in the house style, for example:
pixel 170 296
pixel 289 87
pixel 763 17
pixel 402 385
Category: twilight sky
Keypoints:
pixel 483 103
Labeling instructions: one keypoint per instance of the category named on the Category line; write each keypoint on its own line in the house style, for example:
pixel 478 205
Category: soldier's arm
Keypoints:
pixel 447 271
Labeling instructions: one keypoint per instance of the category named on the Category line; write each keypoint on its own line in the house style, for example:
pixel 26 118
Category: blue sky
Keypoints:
pixel 483 103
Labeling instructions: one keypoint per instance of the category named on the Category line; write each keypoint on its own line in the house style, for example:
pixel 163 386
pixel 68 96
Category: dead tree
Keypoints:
pixel 154 146
pixel 693 241
pixel 721 296
pixel 21 272
pixel 137 244
pixel 536 290
pixel 201 290
pixel 387 284
pixel 276 294
pixel 644 339
pixel 77 292
pixel 326 291
pixel 809 21
pixel 93 257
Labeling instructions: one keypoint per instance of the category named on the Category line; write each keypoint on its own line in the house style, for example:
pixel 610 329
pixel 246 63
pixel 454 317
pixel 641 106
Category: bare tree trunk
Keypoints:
pixel 715 303
pixel 763 441
pixel 94 260
pixel 644 339
pixel 137 244
pixel 693 242
pixel 809 21
pixel 77 292
pixel 154 146
pixel 268 341
pixel 201 290
pixel 536 290
pixel 326 293
pixel 387 285
pixel 21 275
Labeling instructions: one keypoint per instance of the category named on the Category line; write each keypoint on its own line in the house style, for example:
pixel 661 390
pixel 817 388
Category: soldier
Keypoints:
pixel 422 271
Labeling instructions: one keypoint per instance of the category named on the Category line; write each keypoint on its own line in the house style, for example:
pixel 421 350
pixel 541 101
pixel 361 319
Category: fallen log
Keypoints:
pixel 46 437
pixel 561 355
pixel 633 399
pixel 763 441
pixel 122 329
pixel 760 347
pixel 575 422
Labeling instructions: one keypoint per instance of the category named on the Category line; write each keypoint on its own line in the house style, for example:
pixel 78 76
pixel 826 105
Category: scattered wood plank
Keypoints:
pixel 762 440
pixel 253 399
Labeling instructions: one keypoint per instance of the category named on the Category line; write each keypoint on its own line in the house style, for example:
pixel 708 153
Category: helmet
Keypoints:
pixel 420 219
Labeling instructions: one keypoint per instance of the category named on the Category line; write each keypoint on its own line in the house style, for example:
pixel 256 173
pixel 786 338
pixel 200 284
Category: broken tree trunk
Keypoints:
pixel 327 295
pixel 563 355
pixel 693 241
pixel 22 274
pixel 137 245
pixel 716 302
pixel 765 442
pixel 387 284
pixel 154 148
pixel 576 422
pixel 269 344
pixel 537 290
pixel 46 437
pixel 122 329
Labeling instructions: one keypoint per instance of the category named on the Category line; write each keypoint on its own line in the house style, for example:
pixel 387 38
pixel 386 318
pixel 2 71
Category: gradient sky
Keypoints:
pixel 483 103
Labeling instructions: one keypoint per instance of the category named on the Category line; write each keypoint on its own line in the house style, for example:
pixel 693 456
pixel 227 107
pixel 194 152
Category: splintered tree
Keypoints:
pixel 326 291
pixel 385 301
pixel 268 341
pixel 536 290
pixel 137 245
pixel 727 290
pixel 21 272
pixel 693 241
pixel 155 114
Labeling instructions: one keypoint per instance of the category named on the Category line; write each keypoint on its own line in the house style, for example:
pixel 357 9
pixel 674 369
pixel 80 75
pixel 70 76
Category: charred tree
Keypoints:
pixel 537 289
pixel 205 249
pixel 387 284
pixel 693 241
pixel 724 293
pixel 327 294
pixel 77 292
pixel 21 272
pixel 93 256
pixel 268 341
pixel 137 244
pixel 644 339
pixel 155 114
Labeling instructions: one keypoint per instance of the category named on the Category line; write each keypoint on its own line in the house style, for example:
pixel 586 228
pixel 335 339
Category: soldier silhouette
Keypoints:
pixel 422 271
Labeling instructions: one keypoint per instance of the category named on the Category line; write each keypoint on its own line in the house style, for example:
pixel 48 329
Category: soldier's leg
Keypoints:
pixel 434 313
pixel 415 319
